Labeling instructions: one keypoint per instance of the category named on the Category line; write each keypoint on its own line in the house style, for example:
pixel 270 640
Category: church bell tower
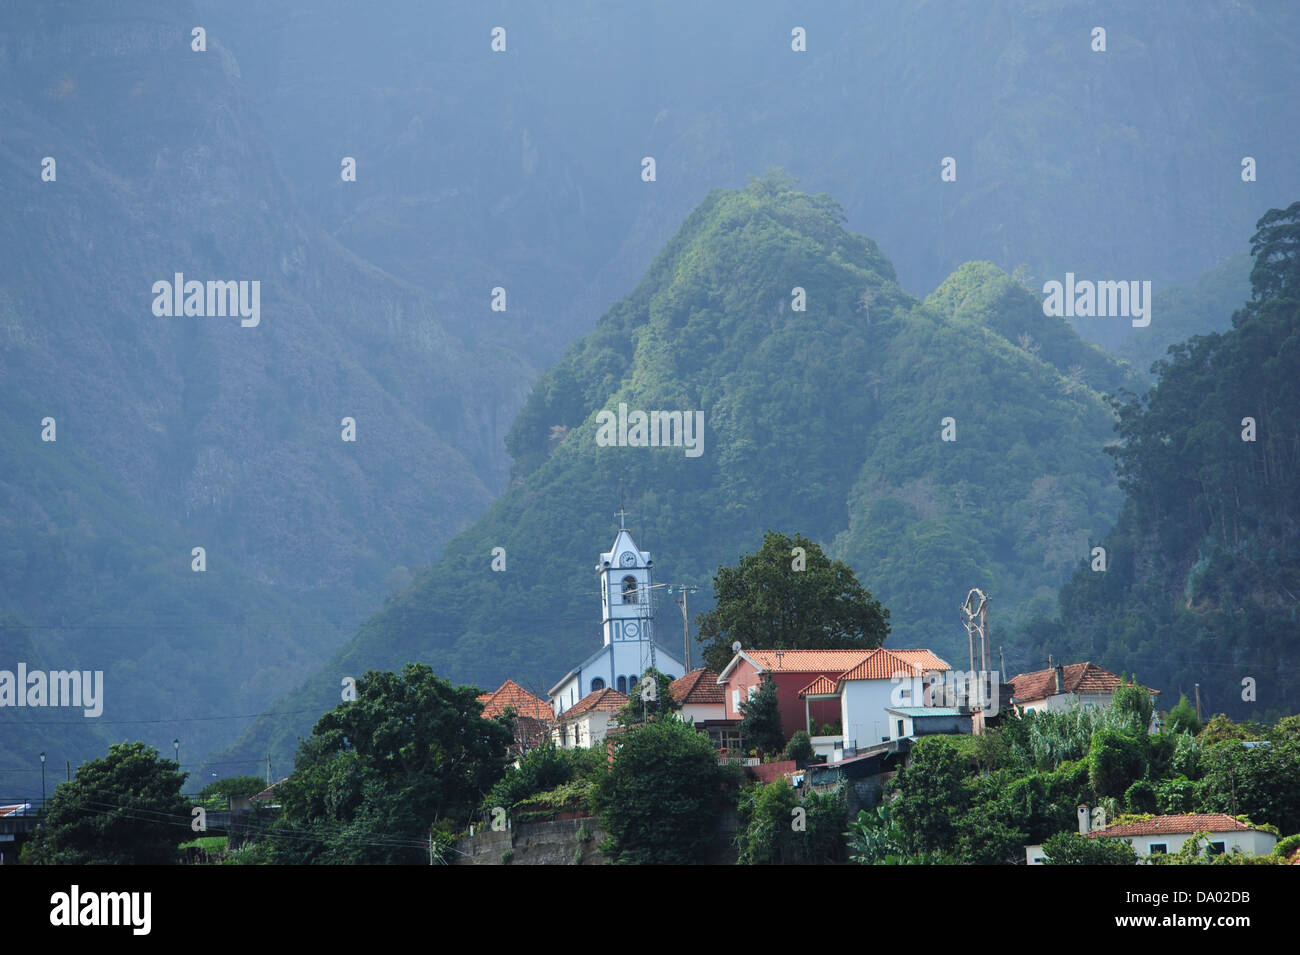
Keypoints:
pixel 626 612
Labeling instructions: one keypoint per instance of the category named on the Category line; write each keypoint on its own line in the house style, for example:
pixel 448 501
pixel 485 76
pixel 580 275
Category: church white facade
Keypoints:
pixel 627 613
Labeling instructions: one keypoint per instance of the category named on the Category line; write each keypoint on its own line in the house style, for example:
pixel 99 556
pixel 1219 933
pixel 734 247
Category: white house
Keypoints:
pixel 702 700
pixel 627 614
pixel 585 724
pixel 911 721
pixel 883 680
pixel 1064 687
pixel 1165 834
pixel 703 705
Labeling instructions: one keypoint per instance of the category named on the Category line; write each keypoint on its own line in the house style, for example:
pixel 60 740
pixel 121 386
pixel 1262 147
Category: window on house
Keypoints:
pixel 629 590
pixel 1217 848
pixel 622 684
pixel 597 684
pixel 1158 848
pixel 900 729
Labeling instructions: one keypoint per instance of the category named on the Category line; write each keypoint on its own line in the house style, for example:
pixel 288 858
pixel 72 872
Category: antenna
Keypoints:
pixel 975 614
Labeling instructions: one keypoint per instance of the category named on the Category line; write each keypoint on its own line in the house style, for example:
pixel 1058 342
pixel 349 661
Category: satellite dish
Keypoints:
pixel 735 647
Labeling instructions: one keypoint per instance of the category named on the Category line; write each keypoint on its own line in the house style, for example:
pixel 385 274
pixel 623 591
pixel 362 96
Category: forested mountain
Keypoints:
pixel 1184 311
pixel 175 433
pixel 522 168
pixel 1202 583
pixel 827 422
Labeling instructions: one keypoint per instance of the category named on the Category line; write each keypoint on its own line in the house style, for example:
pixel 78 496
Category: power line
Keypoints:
pixel 174 719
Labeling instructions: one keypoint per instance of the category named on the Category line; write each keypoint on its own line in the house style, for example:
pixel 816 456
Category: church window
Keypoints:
pixel 597 684
pixel 622 684
pixel 629 590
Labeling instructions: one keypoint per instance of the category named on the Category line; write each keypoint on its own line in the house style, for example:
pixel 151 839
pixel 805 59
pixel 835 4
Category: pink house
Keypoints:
pixel 792 671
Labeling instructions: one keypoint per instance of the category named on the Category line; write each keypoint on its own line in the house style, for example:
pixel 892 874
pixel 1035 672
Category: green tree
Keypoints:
pixel 216 795
pixel 766 603
pixel 1182 718
pixel 778 827
pixel 661 799
pixel 1133 708
pixel 1141 798
pixel 1176 796
pixel 543 768
pixel 1070 848
pixel 1275 277
pixel 641 708
pixel 800 747
pixel 1262 782
pixel 989 832
pixel 929 798
pixel 760 720
pixel 121 809
pixel 378 771
pixel 874 838
pixel 1115 761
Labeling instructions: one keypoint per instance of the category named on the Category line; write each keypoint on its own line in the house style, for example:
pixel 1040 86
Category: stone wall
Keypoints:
pixel 535 843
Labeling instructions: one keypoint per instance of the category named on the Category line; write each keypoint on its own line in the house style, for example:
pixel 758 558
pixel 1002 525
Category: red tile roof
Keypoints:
pixel 1078 678
pixel 1175 826
pixel 818 687
pixel 698 686
pixel 607 699
pixel 925 659
pixel 807 661
pixel 511 693
pixel 884 664
pixel 268 793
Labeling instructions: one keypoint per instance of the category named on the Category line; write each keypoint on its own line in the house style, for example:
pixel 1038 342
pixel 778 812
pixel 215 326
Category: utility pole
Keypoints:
pixel 1002 659
pixel 686 620
pixel 1198 702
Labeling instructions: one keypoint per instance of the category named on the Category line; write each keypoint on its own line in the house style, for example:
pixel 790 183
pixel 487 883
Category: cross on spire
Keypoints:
pixel 622 514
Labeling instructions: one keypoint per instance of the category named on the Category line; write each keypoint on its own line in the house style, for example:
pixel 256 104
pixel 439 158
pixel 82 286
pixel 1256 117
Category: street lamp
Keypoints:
pixel 176 744
pixel 42 784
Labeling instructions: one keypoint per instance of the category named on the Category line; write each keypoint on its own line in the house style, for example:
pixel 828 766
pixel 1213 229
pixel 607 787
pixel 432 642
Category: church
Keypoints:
pixel 627 614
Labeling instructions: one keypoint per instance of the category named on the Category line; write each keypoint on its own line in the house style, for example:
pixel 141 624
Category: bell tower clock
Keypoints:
pixel 625 576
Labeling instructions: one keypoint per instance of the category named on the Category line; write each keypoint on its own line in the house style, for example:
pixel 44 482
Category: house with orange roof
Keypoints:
pixel 1064 687
pixel 533 715
pixel 585 724
pixel 1155 835
pixel 847 689
pixel 703 704
pixel 887 678
pixel 791 671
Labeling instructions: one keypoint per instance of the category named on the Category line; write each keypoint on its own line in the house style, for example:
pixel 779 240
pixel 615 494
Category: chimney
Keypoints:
pixel 1060 679
pixel 1083 820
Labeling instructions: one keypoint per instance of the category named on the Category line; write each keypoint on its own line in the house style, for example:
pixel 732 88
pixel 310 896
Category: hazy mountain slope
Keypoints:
pixel 195 431
pixel 522 168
